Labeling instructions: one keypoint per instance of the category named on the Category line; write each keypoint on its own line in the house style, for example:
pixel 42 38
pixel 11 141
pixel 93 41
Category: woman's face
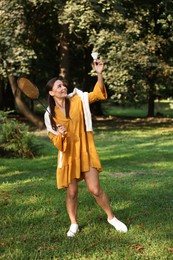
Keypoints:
pixel 59 90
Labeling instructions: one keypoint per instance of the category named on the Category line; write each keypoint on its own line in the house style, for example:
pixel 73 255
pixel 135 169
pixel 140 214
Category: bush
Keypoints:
pixel 15 139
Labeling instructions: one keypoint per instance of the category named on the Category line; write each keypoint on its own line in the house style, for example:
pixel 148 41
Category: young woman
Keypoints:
pixel 69 126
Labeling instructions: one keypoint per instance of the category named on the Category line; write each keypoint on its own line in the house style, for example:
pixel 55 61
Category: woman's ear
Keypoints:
pixel 51 93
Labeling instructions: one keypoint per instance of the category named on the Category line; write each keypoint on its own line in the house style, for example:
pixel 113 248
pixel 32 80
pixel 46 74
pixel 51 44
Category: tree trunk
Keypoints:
pixel 21 105
pixel 151 100
pixel 1 93
pixel 88 81
pixel 9 103
pixel 64 54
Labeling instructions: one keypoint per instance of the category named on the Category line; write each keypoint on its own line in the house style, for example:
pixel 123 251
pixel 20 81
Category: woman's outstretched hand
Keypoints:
pixel 98 65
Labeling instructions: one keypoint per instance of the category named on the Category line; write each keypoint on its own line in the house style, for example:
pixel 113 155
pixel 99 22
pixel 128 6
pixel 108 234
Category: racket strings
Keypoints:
pixel 31 91
pixel 28 88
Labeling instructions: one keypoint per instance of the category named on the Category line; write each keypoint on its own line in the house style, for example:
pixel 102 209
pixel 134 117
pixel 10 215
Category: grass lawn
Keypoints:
pixel 163 108
pixel 137 176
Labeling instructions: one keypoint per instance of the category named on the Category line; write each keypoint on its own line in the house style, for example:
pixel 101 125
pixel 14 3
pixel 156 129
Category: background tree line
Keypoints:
pixel 46 38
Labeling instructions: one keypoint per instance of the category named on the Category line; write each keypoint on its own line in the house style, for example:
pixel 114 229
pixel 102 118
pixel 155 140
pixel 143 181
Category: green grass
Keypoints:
pixel 138 178
pixel 163 108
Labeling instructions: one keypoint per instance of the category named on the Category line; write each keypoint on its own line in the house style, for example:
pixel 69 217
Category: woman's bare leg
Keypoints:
pixel 93 184
pixel 72 201
pixel 72 205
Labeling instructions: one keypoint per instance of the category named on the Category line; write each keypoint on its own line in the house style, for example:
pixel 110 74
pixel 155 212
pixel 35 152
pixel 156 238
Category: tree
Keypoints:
pixel 138 49
pixel 28 44
pixel 80 19
pixel 43 38
pixel 16 51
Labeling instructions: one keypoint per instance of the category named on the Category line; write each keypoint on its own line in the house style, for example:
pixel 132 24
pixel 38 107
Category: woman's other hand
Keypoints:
pixel 61 129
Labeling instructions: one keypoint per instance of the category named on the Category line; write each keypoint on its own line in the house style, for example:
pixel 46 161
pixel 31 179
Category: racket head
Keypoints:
pixel 28 88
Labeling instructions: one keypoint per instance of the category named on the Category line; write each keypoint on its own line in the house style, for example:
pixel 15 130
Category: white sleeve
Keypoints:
pixel 48 124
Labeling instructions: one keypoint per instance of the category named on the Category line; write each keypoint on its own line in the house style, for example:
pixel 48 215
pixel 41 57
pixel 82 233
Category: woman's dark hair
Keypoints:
pixel 52 104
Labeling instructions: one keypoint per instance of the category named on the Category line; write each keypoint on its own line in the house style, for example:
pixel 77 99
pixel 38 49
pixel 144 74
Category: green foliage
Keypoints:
pixel 16 51
pixel 43 32
pixel 29 39
pixel 137 49
pixel 80 16
pixel 15 139
pixel 134 38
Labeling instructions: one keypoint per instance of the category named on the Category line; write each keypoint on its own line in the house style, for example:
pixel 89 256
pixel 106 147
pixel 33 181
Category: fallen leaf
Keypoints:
pixel 3 244
pixel 108 252
pixel 19 191
pixel 137 246
pixel 170 249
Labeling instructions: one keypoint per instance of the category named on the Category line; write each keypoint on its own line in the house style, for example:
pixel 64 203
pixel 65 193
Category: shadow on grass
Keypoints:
pixel 112 123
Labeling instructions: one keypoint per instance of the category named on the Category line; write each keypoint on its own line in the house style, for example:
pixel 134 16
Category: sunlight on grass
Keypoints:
pixel 163 107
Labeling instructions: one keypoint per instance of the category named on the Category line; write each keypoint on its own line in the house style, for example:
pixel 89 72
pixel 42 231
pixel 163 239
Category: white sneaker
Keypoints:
pixel 74 228
pixel 118 225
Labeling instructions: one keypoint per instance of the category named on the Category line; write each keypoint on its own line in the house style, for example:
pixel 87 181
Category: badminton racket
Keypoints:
pixel 30 90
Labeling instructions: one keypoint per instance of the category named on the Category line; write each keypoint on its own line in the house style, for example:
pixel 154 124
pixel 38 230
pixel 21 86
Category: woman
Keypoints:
pixel 69 126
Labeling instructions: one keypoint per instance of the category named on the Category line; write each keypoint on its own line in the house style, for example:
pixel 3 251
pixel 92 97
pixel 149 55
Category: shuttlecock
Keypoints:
pixel 94 55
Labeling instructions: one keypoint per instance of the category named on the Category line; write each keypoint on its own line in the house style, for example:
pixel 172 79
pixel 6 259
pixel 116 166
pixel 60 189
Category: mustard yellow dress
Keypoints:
pixel 77 150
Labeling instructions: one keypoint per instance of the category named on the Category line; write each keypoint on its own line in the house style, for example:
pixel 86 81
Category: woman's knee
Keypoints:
pixel 72 194
pixel 72 190
pixel 95 191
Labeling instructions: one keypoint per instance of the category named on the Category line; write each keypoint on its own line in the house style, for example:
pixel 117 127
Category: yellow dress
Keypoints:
pixel 77 149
